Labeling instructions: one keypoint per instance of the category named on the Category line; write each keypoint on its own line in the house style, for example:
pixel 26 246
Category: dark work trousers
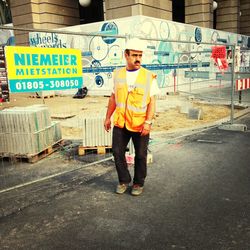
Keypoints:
pixel 121 137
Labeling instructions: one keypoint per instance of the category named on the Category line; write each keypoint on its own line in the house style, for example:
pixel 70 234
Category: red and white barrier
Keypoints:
pixel 242 84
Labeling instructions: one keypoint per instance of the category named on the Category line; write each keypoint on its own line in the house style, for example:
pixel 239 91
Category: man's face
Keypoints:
pixel 133 59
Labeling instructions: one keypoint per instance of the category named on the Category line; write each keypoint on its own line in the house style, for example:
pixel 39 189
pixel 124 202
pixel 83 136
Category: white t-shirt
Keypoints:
pixel 131 78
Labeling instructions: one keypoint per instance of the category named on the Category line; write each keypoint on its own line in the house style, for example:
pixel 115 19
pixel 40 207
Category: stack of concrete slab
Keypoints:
pixel 27 130
pixel 94 134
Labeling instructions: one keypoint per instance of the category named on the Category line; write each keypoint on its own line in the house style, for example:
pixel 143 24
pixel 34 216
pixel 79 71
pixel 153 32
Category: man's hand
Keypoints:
pixel 145 129
pixel 149 117
pixel 110 111
pixel 107 124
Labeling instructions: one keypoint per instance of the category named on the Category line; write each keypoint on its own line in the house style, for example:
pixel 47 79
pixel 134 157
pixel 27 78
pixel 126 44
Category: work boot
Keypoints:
pixel 136 190
pixel 121 188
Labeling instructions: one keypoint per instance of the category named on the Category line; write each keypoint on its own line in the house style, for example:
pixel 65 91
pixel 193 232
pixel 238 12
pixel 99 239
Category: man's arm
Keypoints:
pixel 110 111
pixel 149 116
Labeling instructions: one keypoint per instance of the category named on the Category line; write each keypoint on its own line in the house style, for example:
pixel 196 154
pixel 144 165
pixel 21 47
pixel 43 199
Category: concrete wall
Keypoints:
pixel 45 14
pixel 102 55
pixel 152 8
pixel 199 12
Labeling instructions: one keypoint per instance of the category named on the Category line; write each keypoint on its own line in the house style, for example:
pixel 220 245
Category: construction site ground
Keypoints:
pixel 196 193
pixel 169 118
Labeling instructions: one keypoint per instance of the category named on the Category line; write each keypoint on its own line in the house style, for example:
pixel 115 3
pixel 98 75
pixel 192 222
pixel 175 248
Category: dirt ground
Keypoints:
pixel 69 111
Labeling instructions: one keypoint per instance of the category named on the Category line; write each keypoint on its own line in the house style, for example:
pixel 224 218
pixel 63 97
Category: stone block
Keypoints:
pixel 67 3
pixel 228 3
pixel 164 5
pixel 22 38
pixel 130 158
pixel 195 114
pixel 119 12
pixel 54 9
pixel 24 9
pixel 14 3
pixel 155 12
pixel 196 2
pixel 228 18
pixel 23 19
pixel 184 107
pixel 234 127
pixel 207 24
pixel 245 31
pixel 227 11
pixel 198 17
pixel 190 10
pixel 227 25
pixel 113 4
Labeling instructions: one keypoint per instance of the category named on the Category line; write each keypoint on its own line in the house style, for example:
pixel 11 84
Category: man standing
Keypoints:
pixel 133 104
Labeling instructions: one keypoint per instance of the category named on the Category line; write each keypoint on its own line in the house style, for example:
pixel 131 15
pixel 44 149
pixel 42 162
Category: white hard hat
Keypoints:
pixel 135 44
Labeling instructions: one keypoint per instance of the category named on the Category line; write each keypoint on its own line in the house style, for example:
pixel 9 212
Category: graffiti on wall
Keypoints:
pixel 177 48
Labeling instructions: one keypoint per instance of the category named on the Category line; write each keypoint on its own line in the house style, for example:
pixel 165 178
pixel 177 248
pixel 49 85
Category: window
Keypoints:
pixel 178 9
pixel 5 14
pixel 92 13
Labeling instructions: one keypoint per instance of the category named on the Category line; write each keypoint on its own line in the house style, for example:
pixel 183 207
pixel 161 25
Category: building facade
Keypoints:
pixel 227 15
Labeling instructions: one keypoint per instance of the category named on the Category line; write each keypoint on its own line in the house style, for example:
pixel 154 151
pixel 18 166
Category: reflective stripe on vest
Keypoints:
pixel 130 107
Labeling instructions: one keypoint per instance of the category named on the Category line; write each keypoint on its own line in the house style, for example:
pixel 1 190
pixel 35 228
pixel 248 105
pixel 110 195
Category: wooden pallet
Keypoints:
pixel 62 116
pixel 32 158
pixel 82 150
pixel 45 96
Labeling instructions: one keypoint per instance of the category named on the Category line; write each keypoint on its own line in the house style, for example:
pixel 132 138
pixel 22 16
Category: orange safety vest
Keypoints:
pixel 131 107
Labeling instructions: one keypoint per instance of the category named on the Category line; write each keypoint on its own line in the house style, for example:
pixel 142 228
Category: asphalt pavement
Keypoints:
pixel 196 196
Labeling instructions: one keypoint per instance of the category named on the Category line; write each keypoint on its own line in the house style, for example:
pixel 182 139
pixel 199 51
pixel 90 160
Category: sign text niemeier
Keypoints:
pixel 33 69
